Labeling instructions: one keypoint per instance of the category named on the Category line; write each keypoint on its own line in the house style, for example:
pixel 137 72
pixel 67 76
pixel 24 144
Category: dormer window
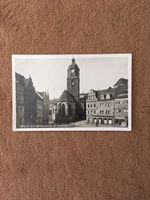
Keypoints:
pixel 107 96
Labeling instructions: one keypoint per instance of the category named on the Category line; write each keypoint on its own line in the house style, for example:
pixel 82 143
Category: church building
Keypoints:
pixel 70 107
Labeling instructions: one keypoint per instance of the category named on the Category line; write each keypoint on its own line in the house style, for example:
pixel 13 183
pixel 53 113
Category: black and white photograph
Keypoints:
pixel 80 92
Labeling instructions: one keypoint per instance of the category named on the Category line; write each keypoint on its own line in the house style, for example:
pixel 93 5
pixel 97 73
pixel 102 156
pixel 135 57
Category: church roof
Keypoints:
pixel 66 97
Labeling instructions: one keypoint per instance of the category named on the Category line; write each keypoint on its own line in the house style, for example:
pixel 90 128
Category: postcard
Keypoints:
pixel 86 92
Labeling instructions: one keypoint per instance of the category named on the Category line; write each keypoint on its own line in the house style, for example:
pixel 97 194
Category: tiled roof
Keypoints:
pixel 121 81
pixel 119 90
pixel 66 97
pixel 111 91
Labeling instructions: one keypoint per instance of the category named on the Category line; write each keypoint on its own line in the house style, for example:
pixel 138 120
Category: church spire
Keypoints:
pixel 73 60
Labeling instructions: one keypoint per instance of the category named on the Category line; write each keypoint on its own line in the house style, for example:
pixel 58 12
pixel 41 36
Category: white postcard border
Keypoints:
pixel 72 129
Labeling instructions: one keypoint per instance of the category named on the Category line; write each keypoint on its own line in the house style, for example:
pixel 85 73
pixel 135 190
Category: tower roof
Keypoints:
pixel 73 64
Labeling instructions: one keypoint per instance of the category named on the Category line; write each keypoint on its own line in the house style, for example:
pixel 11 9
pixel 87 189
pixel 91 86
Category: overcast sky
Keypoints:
pixel 50 73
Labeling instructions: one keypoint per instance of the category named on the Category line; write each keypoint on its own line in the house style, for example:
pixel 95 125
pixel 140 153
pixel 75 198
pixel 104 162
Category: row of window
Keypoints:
pixel 107 112
pixel 105 104
pixel 93 97
pixel 119 102
pixel 119 110
pixel 100 104
pixel 100 121
pixel 19 109
pixel 91 105
pixel 19 98
pixel 100 112
pixel 108 104
pixel 103 96
pixel 106 96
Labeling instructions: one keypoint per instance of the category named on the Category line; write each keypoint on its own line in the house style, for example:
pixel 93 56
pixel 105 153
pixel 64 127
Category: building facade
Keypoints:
pixel 121 110
pixel 31 106
pixel 46 104
pixel 19 100
pixel 110 106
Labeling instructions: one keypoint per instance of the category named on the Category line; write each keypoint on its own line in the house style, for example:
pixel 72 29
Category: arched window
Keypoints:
pixel 59 106
pixel 59 109
pixel 63 110
pixel 69 110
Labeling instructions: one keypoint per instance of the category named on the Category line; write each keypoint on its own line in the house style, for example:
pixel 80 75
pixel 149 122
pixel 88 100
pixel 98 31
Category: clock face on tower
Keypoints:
pixel 72 71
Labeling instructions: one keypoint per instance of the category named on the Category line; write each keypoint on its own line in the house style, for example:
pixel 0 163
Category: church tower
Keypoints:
pixel 73 80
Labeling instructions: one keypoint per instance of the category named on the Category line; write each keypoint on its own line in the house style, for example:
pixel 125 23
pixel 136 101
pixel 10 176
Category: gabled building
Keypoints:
pixel 108 106
pixel 20 85
pixel 32 107
pixel 46 103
